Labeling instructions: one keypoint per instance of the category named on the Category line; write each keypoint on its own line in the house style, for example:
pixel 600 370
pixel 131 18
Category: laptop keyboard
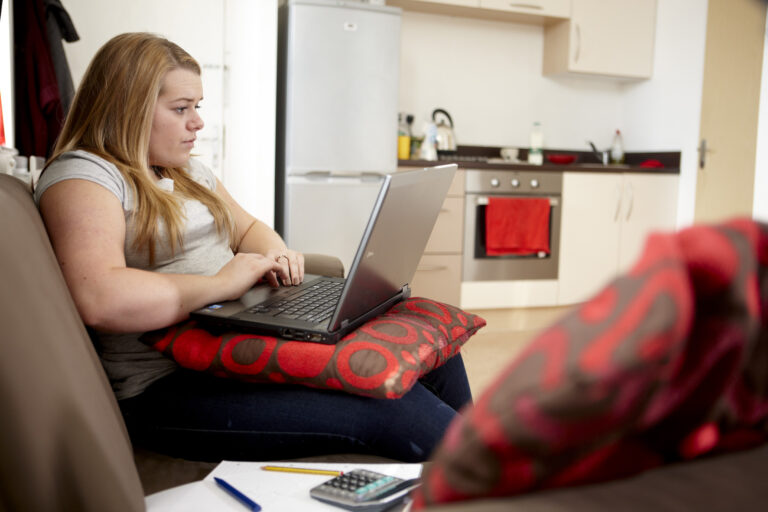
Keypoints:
pixel 313 304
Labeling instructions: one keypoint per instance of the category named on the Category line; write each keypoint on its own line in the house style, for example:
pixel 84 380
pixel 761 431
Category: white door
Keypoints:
pixel 649 205
pixel 589 236
pixel 729 108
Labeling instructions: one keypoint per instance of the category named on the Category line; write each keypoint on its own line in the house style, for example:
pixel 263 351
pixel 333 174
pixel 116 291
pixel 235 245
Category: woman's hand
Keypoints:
pixel 243 271
pixel 291 267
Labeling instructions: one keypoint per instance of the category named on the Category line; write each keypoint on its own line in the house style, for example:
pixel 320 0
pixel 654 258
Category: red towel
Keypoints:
pixel 516 226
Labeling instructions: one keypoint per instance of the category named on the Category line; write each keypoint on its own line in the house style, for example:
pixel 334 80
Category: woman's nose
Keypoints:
pixel 196 123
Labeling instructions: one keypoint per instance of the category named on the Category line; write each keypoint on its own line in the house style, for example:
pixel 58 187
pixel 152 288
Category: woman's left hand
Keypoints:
pixel 291 265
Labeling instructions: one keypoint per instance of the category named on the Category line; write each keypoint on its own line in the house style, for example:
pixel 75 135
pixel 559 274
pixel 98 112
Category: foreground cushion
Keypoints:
pixel 667 363
pixel 383 358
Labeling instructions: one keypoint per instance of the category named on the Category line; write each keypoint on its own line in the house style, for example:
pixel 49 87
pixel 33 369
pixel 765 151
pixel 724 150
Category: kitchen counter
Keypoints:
pixel 482 157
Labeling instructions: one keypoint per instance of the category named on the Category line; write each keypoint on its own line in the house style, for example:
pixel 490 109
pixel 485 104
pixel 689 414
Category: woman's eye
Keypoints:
pixel 180 110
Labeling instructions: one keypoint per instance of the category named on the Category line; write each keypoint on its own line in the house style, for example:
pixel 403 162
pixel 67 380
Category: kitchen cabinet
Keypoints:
pixel 614 38
pixel 464 3
pixel 524 11
pixel 550 8
pixel 606 218
pixel 438 275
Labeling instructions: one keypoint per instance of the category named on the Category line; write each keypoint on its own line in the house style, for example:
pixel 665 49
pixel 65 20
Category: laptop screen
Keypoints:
pixel 394 239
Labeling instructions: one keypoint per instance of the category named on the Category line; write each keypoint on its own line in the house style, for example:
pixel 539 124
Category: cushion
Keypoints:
pixel 383 358
pixel 669 362
pixel 63 445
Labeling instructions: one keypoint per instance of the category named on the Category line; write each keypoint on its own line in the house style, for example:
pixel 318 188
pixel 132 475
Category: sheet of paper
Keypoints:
pixel 274 491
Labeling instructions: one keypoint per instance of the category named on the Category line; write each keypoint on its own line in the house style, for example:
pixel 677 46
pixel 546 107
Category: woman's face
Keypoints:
pixel 176 121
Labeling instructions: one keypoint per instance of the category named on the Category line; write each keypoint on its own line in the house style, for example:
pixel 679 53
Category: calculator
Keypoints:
pixel 364 490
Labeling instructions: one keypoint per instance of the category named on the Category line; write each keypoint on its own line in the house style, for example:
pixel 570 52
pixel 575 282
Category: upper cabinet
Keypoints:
pixel 524 11
pixel 464 3
pixel 610 38
pixel 549 8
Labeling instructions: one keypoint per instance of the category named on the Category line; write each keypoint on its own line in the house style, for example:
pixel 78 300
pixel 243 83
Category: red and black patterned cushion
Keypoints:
pixel 383 358
pixel 667 363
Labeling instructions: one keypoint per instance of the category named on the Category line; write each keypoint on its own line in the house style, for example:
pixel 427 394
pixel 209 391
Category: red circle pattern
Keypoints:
pixel 383 358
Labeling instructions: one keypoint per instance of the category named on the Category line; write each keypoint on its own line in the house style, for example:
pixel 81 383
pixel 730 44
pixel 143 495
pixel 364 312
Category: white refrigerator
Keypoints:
pixel 336 135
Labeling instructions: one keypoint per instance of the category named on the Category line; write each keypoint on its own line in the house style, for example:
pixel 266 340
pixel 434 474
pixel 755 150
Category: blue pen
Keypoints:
pixel 242 498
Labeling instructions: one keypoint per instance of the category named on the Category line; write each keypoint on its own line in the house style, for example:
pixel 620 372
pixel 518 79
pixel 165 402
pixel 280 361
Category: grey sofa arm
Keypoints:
pixel 323 265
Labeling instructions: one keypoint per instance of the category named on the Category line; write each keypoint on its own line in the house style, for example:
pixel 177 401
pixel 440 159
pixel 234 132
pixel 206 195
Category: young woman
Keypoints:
pixel 145 234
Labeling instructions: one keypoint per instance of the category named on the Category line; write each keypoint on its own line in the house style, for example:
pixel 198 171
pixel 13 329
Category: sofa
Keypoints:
pixel 64 445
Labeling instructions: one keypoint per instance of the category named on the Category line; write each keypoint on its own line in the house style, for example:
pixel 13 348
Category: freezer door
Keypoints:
pixel 328 215
pixel 341 87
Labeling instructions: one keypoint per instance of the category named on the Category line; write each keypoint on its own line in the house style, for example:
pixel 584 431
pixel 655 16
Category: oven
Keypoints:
pixel 482 184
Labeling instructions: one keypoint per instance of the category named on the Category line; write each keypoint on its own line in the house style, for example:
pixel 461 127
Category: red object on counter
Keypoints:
pixel 516 226
pixel 561 159
pixel 652 163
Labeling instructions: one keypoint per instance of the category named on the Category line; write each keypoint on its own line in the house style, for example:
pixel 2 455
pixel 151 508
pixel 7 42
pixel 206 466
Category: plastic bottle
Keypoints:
pixel 428 150
pixel 617 149
pixel 403 138
pixel 535 155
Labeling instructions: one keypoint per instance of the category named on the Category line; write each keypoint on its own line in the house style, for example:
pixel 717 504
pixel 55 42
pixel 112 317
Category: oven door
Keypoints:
pixel 479 266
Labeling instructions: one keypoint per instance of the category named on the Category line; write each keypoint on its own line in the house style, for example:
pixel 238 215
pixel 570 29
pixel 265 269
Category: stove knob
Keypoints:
pixel 515 182
pixel 494 182
pixel 534 183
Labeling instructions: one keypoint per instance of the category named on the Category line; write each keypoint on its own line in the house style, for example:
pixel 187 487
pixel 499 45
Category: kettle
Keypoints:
pixel 446 141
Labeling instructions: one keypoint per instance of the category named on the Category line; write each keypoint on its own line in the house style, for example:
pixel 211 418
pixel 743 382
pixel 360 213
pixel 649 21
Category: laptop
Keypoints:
pixel 392 244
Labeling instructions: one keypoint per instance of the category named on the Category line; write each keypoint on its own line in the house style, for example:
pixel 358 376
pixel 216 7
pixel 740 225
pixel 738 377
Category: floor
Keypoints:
pixel 495 345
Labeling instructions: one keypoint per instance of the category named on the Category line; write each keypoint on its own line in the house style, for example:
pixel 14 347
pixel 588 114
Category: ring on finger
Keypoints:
pixel 283 256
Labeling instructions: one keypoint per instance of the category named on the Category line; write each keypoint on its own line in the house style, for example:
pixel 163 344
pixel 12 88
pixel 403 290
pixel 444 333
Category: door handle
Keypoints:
pixel 577 50
pixel 703 149
pixel 631 200
pixel 618 202
pixel 521 5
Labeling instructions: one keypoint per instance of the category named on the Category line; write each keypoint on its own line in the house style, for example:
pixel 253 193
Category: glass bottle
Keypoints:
pixel 617 149
pixel 535 155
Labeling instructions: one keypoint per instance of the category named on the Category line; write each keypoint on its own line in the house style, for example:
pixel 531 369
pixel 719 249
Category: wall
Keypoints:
pixel 664 113
pixel 488 76
pixel 240 94
pixel 6 67
pixel 249 104
pixel 760 204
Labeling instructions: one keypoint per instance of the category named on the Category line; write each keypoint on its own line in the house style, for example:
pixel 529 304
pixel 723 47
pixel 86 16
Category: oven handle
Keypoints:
pixel 553 201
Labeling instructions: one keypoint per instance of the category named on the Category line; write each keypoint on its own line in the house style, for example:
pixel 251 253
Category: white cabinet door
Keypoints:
pixel 649 204
pixel 611 38
pixel 607 218
pixel 549 8
pixel 589 234
pixel 463 3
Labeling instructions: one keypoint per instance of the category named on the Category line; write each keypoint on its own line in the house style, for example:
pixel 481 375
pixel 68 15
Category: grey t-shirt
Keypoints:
pixel 130 364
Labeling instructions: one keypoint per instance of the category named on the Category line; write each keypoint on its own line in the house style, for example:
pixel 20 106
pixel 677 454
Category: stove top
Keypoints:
pixel 462 158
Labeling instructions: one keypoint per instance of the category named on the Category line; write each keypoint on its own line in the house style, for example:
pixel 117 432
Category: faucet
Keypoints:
pixel 602 156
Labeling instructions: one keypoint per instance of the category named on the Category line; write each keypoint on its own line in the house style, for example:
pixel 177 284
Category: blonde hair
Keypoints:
pixel 111 116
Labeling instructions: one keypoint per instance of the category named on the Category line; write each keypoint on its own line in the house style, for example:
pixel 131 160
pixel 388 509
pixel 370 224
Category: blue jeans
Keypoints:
pixel 196 416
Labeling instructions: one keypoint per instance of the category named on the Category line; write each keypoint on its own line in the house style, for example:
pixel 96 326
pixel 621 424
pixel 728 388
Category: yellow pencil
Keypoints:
pixel 309 471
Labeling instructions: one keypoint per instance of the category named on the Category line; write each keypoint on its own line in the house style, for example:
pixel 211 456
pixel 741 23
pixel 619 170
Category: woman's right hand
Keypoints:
pixel 243 271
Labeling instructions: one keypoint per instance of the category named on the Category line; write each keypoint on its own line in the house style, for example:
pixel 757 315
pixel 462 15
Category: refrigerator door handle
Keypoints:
pixel 317 175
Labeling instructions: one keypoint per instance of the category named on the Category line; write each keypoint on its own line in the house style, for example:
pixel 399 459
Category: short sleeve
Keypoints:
pixel 84 166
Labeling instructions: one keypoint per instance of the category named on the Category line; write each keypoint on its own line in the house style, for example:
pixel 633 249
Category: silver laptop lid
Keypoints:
pixel 394 239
